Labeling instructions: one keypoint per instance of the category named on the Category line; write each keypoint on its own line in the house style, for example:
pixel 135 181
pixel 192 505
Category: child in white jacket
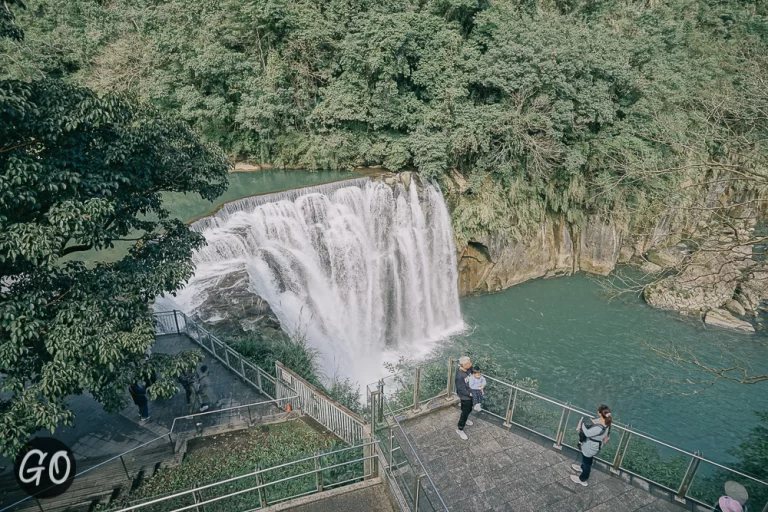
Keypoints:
pixel 477 385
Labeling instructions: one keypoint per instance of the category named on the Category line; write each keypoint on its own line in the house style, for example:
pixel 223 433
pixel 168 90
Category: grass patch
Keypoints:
pixel 224 456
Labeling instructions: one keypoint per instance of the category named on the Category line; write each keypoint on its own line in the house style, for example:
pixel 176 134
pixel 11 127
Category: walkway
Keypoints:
pixel 498 470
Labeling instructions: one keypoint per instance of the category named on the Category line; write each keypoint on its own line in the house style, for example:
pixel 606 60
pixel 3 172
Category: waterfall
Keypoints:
pixel 359 268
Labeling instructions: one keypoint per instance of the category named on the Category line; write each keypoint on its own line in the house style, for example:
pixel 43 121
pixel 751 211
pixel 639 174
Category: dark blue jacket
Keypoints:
pixel 138 393
pixel 462 384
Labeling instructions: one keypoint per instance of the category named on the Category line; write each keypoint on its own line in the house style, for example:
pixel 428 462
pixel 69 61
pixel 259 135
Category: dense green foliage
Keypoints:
pixel 264 346
pixel 79 172
pixel 545 105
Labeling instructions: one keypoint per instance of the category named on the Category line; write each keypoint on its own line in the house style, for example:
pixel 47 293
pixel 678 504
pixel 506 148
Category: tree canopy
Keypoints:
pixel 79 171
pixel 545 105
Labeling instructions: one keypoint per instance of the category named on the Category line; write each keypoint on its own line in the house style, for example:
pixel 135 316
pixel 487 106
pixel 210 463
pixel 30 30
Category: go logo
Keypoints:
pixel 45 467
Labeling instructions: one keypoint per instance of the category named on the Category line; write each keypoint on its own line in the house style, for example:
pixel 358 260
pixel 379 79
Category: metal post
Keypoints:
pixel 381 398
pixel 416 389
pixel 196 496
pixel 621 452
pixel 176 319
pixel 558 436
pixel 690 473
pixel 127 475
pixel 226 353
pixel 262 494
pixel 373 410
pixel 391 446
pixel 561 436
pixel 449 385
pixel 511 410
pixel 242 367
pixel 250 418
pixel 258 381
pixel 213 345
pixel 416 492
pixel 170 439
pixel 318 474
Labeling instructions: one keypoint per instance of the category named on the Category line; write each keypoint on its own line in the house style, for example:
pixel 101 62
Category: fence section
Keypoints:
pixel 264 487
pixel 689 476
pixel 323 409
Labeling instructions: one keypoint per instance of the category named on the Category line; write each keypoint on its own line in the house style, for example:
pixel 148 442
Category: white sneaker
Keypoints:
pixel 462 434
pixel 469 423
pixel 576 467
pixel 477 407
pixel 575 479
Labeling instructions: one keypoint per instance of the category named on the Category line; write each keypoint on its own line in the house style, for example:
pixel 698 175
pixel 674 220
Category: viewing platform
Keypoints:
pixel 501 470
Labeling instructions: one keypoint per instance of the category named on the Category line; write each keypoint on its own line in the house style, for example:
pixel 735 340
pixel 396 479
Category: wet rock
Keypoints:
pixel 734 307
pixel 626 253
pixel 600 243
pixel 667 257
pixel 228 303
pixel 722 318
pixel 650 268
pixel 709 279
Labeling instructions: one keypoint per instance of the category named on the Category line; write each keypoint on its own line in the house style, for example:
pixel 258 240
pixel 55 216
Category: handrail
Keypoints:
pixel 255 473
pixel 335 417
pixel 626 429
pixel 201 333
pixel 413 450
pixel 171 431
pixel 682 491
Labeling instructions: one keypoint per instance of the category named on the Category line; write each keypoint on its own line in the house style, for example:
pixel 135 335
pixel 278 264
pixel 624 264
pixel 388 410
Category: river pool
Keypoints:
pixel 586 350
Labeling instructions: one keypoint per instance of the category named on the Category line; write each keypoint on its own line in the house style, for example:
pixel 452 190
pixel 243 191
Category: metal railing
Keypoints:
pixel 132 462
pixel 404 467
pixel 338 419
pixel 689 476
pixel 269 486
pixel 176 322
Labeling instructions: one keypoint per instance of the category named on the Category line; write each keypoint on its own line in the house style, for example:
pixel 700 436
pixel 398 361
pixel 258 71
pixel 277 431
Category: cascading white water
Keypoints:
pixel 359 268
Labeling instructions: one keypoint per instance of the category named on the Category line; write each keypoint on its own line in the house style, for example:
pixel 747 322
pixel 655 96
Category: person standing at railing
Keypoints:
pixel 593 434
pixel 187 380
pixel 139 395
pixel 205 389
pixel 461 382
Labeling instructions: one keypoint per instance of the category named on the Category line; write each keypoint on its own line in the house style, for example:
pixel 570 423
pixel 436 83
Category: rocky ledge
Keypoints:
pixel 722 318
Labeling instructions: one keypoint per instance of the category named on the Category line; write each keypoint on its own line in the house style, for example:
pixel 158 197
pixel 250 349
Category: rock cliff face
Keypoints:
pixel 555 249
pixel 708 279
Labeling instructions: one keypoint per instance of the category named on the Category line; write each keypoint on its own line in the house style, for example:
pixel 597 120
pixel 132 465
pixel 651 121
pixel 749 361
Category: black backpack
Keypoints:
pixel 583 437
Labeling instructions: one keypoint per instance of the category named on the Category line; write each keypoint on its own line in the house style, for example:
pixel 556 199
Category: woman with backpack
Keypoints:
pixel 593 434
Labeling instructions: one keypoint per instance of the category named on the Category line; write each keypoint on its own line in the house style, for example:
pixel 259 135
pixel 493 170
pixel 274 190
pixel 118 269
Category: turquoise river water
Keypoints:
pixel 587 350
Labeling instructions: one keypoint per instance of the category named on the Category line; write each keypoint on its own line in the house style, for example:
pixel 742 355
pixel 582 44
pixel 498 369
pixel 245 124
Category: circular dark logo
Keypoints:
pixel 45 467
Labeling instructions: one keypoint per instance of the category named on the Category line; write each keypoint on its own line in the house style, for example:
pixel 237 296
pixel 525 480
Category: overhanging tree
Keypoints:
pixel 79 172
